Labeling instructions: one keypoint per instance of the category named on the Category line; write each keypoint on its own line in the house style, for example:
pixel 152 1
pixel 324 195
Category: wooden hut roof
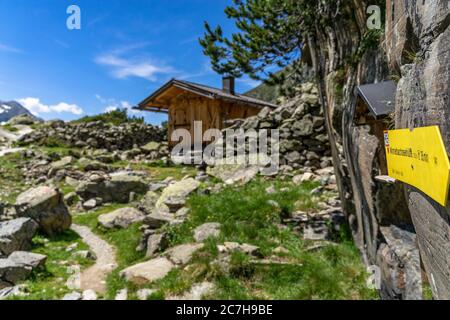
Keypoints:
pixel 158 101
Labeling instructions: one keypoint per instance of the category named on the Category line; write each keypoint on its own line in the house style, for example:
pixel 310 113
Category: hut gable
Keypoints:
pixel 186 102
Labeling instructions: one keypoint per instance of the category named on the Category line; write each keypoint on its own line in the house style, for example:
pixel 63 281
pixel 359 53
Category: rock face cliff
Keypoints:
pixel 413 47
pixel 423 100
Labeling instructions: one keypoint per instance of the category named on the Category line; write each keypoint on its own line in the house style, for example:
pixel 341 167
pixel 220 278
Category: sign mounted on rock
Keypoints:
pixel 419 158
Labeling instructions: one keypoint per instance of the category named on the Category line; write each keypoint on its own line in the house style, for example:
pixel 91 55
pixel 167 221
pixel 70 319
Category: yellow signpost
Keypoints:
pixel 419 158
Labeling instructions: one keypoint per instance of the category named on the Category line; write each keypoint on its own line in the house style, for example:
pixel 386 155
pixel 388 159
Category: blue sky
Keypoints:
pixel 125 50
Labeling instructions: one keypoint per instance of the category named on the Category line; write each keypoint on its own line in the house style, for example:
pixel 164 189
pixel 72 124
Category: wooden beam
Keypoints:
pixel 157 110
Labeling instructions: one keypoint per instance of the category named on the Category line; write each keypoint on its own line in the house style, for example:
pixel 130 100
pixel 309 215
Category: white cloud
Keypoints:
pixel 123 68
pixel 36 107
pixel 111 108
pixel 113 104
pixel 6 48
pixel 249 82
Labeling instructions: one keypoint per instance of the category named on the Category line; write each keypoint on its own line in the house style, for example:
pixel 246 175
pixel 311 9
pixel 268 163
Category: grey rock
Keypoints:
pixel 91 204
pixel 182 254
pixel 16 235
pixel 246 248
pixel 28 259
pixel 12 272
pixel 117 189
pixel 89 295
pixel 316 231
pixel 180 190
pixel 207 230
pixel 73 296
pixel 45 205
pixel 156 243
pixel 158 219
pixel 16 291
pixel 143 294
pixel 120 218
pixel 147 272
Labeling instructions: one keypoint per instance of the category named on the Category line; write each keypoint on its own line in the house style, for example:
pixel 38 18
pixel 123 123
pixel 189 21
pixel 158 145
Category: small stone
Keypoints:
pixel 143 294
pixel 89 295
pixel 316 231
pixel 72 247
pixel 281 250
pixel 90 204
pixel 73 296
pixel 207 230
pixel 85 254
pixel 122 295
pixel 271 190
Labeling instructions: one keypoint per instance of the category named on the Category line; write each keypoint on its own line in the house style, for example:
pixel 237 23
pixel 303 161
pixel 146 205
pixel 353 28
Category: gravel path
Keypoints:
pixel 94 277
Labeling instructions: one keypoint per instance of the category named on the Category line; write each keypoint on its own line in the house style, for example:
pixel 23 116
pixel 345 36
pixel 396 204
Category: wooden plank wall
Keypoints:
pixel 187 108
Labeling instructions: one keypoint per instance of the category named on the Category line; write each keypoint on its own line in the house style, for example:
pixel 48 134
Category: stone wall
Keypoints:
pixel 97 135
pixel 300 121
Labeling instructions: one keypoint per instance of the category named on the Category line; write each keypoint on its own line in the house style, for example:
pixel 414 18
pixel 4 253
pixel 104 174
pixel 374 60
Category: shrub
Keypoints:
pixel 115 117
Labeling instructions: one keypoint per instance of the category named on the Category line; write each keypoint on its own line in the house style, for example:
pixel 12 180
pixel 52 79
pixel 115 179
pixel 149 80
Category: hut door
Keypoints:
pixel 181 120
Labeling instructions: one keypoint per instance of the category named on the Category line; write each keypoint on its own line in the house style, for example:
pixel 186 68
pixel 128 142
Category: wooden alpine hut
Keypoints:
pixel 186 102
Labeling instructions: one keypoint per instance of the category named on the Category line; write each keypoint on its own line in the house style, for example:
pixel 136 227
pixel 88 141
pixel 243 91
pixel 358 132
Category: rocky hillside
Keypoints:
pixel 11 109
pixel 115 219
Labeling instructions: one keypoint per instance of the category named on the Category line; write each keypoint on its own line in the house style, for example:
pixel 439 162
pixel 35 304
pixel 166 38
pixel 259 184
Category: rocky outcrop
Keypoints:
pixel 117 187
pixel 18 266
pixel 16 235
pixel 46 206
pixel 423 56
pixel 97 135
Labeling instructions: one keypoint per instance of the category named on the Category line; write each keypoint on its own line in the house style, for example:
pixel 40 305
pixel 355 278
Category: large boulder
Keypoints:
pixel 179 190
pixel 28 259
pixel 117 189
pixel 16 235
pixel 121 218
pixel 12 272
pixel 147 272
pixel 45 205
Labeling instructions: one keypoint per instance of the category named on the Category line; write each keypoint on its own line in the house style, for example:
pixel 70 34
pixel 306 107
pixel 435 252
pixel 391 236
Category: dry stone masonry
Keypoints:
pixel 97 135
pixel 300 120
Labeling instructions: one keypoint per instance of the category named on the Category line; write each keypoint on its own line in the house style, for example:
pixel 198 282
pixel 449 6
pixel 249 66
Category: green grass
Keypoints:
pixel 158 171
pixel 49 283
pixel 11 177
pixel 116 117
pixel 124 240
pixel 9 127
pixel 334 272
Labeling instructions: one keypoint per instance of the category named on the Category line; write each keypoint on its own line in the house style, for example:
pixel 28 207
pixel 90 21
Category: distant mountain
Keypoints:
pixel 11 109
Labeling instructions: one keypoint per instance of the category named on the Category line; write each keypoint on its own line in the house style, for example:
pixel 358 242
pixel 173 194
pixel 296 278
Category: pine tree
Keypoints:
pixel 271 37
